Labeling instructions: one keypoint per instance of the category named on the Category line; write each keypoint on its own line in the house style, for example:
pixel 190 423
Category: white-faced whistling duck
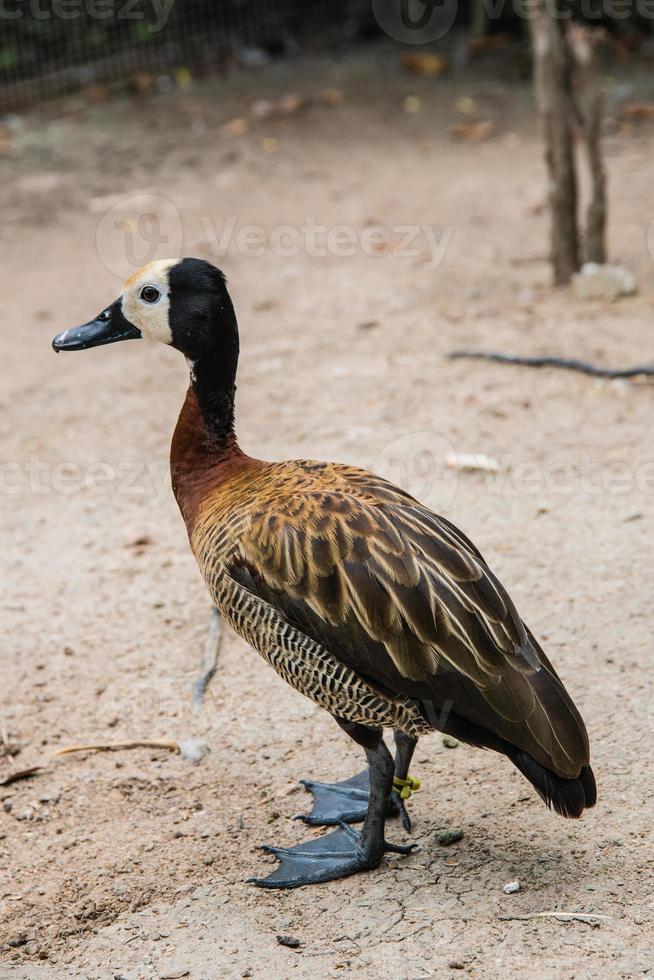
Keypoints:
pixel 358 596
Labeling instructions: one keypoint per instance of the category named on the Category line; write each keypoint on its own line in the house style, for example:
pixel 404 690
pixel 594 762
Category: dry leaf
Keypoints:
pixel 183 78
pixel 262 109
pixel 237 127
pixel 412 104
pixel 142 83
pixel 290 104
pixel 466 105
pixel 97 93
pixel 637 111
pixel 472 462
pixel 5 139
pixel 332 97
pixel 424 63
pixel 483 45
pixel 473 132
pixel 141 542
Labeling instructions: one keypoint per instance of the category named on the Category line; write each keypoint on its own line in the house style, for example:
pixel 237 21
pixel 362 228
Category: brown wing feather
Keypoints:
pixel 404 598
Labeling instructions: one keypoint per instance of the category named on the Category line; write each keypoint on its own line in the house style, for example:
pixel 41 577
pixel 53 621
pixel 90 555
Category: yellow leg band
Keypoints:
pixel 406 786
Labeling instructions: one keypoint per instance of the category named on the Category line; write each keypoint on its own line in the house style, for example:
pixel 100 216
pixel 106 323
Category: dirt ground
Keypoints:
pixel 133 864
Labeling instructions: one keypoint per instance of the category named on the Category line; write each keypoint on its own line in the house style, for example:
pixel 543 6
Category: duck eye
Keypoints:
pixel 149 294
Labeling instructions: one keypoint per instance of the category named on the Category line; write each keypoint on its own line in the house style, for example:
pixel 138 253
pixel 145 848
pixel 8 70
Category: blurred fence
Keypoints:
pixel 52 46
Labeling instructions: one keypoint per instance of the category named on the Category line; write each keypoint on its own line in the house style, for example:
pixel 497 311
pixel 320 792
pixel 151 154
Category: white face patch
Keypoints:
pixel 151 318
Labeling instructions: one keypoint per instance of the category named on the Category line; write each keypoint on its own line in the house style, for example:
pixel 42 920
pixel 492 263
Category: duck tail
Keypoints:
pixel 568 797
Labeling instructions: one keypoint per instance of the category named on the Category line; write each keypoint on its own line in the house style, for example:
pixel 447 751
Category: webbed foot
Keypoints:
pixel 336 855
pixel 347 802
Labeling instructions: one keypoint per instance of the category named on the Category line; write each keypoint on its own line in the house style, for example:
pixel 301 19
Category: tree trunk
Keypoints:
pixel 551 74
pixel 479 19
pixel 588 97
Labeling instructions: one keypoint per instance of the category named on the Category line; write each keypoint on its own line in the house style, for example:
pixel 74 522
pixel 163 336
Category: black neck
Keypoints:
pixel 213 378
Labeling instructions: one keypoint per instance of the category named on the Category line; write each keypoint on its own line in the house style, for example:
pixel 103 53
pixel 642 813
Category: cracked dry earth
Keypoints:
pixel 134 863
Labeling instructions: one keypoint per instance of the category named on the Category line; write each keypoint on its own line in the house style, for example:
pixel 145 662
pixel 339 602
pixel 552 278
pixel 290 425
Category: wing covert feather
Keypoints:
pixel 406 600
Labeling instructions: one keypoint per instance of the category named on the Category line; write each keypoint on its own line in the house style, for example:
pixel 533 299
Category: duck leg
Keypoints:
pixel 405 746
pixel 347 801
pixel 344 851
pixel 209 657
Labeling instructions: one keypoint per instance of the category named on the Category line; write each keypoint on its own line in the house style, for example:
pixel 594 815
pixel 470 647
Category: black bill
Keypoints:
pixel 109 327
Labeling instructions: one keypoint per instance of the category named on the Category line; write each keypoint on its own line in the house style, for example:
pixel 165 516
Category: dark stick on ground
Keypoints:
pixel 14 777
pixel 567 364
pixel 209 658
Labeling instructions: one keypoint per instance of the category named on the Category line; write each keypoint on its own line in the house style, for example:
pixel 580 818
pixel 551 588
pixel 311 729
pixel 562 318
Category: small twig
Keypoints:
pixel 21 774
pixel 590 918
pixel 209 658
pixel 153 743
pixel 567 364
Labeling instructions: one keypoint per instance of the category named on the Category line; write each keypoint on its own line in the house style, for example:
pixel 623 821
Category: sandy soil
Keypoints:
pixel 134 863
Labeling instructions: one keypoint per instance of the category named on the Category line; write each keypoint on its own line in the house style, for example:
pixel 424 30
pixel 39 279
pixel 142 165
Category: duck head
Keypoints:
pixel 180 302
pixel 183 303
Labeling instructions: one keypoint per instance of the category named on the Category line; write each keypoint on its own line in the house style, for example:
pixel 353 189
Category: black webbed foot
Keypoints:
pixel 336 855
pixel 345 802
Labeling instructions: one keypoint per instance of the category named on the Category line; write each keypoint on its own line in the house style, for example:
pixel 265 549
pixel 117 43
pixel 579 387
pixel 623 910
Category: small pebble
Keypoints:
pixel 289 941
pixel 456 965
pixel 447 837
pixel 193 749
pixel 50 796
pixel 450 743
pixel 173 972
pixel 511 888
